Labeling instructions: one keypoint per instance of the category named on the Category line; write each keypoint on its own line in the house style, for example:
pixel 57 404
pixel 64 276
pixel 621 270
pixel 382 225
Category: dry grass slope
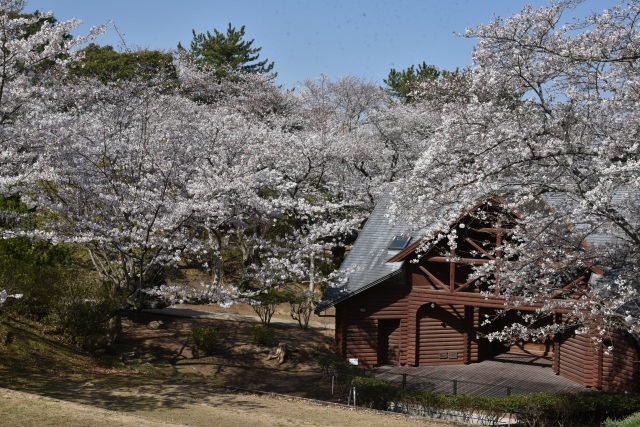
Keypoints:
pixel 45 382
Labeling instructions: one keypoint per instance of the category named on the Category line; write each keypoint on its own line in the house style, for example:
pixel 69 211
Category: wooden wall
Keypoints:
pixel 577 359
pixel 620 367
pixel 357 332
pixel 441 335
pixel 406 323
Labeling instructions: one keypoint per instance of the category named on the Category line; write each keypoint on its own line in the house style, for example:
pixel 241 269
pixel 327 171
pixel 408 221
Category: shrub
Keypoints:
pixel 266 303
pixel 539 410
pixel 205 339
pixel 85 323
pixel 375 393
pixel 37 270
pixel 581 409
pixel 333 365
pixel 261 335
pixel 631 421
pixel 86 313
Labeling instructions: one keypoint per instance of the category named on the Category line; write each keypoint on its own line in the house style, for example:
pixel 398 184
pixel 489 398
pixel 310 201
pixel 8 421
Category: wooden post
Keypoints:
pixel 556 346
pixel 599 359
pixel 468 330
pixel 452 272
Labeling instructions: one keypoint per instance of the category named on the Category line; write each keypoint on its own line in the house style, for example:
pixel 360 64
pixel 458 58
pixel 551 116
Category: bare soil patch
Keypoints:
pixel 239 361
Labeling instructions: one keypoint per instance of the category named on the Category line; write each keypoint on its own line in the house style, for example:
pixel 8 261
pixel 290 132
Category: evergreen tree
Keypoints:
pixel 402 83
pixel 227 52
pixel 107 65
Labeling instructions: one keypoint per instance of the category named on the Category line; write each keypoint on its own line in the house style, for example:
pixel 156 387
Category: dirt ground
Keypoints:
pixel 238 362
pixel 153 378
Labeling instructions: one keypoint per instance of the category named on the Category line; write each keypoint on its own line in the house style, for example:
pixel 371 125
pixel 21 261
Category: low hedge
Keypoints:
pixel 542 409
pixel 631 421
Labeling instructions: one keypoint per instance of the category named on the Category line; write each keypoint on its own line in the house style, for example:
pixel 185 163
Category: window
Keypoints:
pixel 399 242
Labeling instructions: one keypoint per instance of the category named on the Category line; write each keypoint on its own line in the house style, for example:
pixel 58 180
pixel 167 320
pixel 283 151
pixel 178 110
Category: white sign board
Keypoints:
pixel 353 361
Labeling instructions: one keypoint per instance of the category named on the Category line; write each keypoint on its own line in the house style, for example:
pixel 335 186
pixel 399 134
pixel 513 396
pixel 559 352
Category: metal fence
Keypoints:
pixel 449 386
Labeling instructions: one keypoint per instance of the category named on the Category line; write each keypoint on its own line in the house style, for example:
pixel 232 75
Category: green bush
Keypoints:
pixel 543 409
pixel 205 338
pixel 37 270
pixel 86 323
pixel 631 421
pixel 375 393
pixel 581 409
pixel 333 365
pixel 87 314
pixel 261 335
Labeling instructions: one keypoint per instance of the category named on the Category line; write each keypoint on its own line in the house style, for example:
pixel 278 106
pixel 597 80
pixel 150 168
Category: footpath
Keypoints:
pixel 196 311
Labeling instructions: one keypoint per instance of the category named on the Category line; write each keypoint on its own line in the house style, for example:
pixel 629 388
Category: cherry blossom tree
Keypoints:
pixel 548 119
pixel 34 54
pixel 323 198
pixel 114 176
pixel 346 146
pixel 146 179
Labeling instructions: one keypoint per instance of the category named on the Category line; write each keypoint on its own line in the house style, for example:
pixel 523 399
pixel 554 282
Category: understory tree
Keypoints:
pixel 547 119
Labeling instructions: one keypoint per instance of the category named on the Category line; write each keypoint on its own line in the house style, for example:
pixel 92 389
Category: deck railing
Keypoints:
pixel 450 386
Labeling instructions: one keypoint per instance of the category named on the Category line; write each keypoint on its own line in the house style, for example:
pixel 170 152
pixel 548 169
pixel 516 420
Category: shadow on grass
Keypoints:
pixel 163 374
pixel 125 393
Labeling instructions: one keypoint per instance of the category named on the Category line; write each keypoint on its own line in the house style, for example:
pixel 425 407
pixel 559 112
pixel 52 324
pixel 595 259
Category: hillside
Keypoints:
pixel 47 382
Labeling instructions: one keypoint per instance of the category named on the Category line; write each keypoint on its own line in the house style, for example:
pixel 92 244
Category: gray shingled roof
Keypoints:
pixel 366 264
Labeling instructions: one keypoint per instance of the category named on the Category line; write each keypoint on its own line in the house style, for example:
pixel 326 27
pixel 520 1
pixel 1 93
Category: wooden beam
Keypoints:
pixel 557 319
pixel 498 255
pixel 452 273
pixel 476 300
pixel 490 230
pixel 478 247
pixel 476 261
pixel 567 287
pixel 464 285
pixel 435 280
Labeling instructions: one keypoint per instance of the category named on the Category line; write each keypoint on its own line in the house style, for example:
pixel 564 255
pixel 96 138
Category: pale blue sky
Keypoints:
pixel 306 38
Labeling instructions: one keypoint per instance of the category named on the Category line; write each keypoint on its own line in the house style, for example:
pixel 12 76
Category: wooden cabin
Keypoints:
pixel 397 308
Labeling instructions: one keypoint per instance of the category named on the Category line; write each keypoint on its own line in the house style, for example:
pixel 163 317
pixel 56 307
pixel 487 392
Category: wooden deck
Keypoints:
pixel 509 373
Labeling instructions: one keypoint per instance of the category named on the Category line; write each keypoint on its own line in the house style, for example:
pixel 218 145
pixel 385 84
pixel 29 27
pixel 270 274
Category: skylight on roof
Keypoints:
pixel 399 242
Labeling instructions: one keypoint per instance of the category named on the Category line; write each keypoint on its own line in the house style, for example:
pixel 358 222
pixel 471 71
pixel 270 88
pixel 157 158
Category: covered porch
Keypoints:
pixel 503 375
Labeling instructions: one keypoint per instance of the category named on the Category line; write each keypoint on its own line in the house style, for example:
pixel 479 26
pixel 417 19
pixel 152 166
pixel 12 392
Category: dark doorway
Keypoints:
pixel 389 342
